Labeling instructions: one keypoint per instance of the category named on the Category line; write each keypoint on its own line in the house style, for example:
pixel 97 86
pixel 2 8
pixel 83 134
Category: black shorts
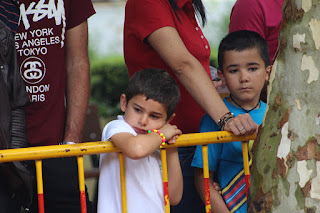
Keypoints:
pixel 8 202
pixel 60 187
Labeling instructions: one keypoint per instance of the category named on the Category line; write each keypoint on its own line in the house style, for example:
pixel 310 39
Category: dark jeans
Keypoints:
pixel 60 187
pixel 191 201
pixel 8 202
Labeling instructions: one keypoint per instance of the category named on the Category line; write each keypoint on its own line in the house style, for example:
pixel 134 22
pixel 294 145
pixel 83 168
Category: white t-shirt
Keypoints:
pixel 144 187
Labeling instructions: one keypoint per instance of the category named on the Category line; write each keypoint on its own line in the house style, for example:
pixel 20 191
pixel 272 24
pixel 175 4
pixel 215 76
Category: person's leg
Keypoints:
pixel 191 201
pixel 8 202
pixel 61 187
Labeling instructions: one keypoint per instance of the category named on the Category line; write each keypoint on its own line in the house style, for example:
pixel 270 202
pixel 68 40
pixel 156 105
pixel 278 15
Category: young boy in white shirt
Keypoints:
pixel 148 107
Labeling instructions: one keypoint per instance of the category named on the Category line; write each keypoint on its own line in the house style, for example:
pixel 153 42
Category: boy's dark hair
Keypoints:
pixel 243 40
pixel 155 84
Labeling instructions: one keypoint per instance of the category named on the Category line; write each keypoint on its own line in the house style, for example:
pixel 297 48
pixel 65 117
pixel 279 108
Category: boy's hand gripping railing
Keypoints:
pixel 58 151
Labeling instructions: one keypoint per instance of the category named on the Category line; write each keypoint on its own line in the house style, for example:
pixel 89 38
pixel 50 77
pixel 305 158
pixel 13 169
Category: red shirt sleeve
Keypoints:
pixel 79 11
pixel 146 16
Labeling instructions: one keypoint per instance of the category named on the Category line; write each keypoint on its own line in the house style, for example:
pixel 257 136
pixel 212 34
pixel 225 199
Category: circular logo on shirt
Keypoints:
pixel 32 70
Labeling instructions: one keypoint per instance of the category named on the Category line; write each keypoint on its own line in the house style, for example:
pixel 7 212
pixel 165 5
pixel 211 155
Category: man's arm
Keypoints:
pixel 78 81
pixel 217 203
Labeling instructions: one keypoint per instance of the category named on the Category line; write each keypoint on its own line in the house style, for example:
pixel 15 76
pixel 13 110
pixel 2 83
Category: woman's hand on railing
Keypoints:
pixel 241 125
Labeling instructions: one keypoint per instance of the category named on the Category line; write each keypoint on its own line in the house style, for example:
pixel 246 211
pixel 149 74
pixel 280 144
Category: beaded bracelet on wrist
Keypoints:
pixel 161 135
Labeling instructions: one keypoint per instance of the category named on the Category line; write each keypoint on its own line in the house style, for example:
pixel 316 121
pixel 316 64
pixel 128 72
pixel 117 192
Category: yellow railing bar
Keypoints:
pixel 57 151
pixel 206 178
pixel 39 185
pixel 163 154
pixel 123 183
pixel 246 164
pixel 82 185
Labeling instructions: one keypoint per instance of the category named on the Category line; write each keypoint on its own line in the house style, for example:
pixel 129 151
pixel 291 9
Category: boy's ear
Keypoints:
pixel 221 76
pixel 123 102
pixel 171 118
pixel 268 71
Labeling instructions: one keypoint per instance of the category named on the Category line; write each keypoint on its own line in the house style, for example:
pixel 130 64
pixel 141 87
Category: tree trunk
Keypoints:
pixel 286 158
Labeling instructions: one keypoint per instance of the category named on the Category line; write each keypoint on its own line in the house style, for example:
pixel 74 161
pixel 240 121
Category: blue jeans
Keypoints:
pixel 191 201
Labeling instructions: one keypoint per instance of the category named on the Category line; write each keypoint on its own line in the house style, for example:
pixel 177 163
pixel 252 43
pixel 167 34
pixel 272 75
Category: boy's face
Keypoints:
pixel 143 115
pixel 245 74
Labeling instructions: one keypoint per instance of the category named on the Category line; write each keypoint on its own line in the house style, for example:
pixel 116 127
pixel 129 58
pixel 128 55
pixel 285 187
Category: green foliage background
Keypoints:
pixel 109 79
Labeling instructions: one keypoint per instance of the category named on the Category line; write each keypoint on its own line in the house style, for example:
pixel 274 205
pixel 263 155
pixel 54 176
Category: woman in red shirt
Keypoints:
pixel 165 34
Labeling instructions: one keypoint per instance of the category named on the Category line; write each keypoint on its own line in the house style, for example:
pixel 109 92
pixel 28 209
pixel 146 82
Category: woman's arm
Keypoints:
pixel 190 72
pixel 175 180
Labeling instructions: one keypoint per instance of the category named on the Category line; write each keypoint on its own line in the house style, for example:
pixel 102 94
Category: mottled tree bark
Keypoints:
pixel 286 158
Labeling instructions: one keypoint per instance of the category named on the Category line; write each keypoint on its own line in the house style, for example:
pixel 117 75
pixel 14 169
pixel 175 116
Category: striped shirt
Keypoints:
pixel 9 13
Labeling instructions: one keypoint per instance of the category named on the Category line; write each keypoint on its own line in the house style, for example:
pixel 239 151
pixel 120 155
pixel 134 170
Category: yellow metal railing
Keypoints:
pixel 58 151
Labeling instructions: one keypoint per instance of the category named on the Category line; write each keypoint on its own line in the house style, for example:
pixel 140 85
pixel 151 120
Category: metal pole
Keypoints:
pixel 163 154
pixel 82 185
pixel 246 164
pixel 123 183
pixel 206 177
pixel 40 186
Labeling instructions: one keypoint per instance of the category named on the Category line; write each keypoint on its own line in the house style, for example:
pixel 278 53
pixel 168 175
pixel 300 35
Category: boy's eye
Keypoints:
pixel 137 109
pixel 233 71
pixel 253 69
pixel 154 116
